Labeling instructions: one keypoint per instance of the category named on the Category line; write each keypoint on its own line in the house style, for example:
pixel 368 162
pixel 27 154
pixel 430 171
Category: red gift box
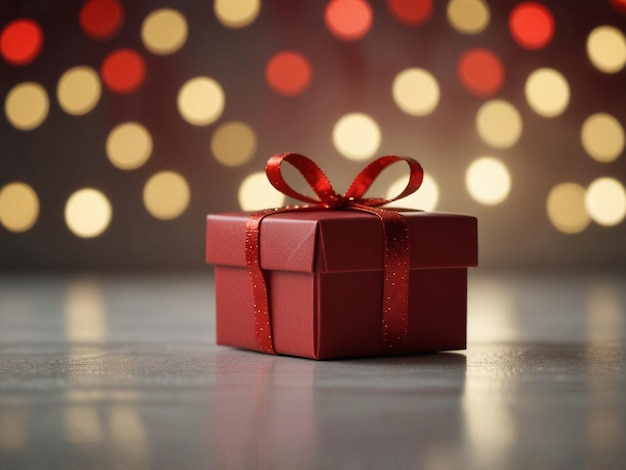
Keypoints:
pixel 324 275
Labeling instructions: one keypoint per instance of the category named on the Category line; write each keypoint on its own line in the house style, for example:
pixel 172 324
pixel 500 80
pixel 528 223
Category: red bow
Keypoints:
pixel 394 331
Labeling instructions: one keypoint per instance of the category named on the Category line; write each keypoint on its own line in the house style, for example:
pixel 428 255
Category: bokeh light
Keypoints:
pixel 233 143
pixel 79 90
pixel 468 16
pixel 531 25
pixel 166 195
pixel 348 19
pixel 547 92
pixel 201 101
pixel 605 201
pixel 101 19
pixel 356 136
pixel 21 41
pixel 425 198
pixel 606 48
pixel 499 124
pixel 619 5
pixel 88 213
pixel 257 193
pixel 123 71
pixel 19 207
pixel 488 181
pixel 164 31
pixel 415 91
pixel 236 13
pixel 288 73
pixel 411 12
pixel 566 208
pixel 602 137
pixel 480 71
pixel 128 145
pixel 26 106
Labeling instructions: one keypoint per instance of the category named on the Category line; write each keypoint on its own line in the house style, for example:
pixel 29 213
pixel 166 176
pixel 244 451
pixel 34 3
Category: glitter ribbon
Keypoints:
pixel 396 262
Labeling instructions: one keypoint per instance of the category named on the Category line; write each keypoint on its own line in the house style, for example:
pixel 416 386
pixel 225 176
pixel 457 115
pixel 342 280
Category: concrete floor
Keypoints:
pixel 122 373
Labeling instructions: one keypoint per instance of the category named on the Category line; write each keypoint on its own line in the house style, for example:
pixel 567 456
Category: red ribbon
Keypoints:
pixel 396 263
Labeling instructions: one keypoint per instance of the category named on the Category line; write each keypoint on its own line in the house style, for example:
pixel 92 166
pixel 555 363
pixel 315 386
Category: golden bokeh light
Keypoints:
pixel 88 213
pixel 79 90
pixel 605 201
pixel 468 16
pixel 164 31
pixel 547 92
pixel 257 193
pixel 416 91
pixel 603 137
pixel 606 48
pixel 201 101
pixel 233 143
pixel 499 124
pixel 26 106
pixel 566 208
pixel 19 207
pixel 166 195
pixel 129 145
pixel 236 13
pixel 356 136
pixel 425 198
pixel 488 181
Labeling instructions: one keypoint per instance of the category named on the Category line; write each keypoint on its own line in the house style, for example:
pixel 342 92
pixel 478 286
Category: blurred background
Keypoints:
pixel 125 123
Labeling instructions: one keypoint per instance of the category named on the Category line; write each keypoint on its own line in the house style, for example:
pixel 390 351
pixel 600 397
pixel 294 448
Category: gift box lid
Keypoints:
pixel 341 240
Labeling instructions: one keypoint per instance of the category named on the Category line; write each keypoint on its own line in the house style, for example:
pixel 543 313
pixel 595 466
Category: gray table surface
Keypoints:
pixel 122 372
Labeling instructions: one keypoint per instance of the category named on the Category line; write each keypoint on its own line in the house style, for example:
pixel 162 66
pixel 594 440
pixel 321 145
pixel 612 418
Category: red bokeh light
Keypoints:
pixel 348 19
pixel 531 25
pixel 101 19
pixel 480 71
pixel 123 71
pixel 288 73
pixel 21 41
pixel 619 5
pixel 411 12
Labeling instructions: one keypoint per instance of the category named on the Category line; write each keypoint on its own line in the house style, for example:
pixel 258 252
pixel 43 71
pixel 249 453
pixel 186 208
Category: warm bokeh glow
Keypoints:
pixel 499 124
pixel 605 201
pixel 603 137
pixel 606 48
pixel 416 91
pixel 356 136
pixel 488 180
pixel 21 41
pixel 233 143
pixel 201 101
pixel 123 71
pixel 164 31
pixel 480 71
pixel 425 198
pixel 531 25
pixel 236 13
pixel 566 208
pixel 288 73
pixel 468 16
pixel 166 195
pixel 88 213
pixel 257 193
pixel 79 90
pixel 101 19
pixel 348 19
pixel 619 5
pixel 19 207
pixel 85 312
pixel 129 145
pixel 547 92
pixel 26 106
pixel 411 12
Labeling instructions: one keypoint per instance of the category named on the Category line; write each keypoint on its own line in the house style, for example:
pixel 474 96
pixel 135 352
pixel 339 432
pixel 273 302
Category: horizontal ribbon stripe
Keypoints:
pixel 396 262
